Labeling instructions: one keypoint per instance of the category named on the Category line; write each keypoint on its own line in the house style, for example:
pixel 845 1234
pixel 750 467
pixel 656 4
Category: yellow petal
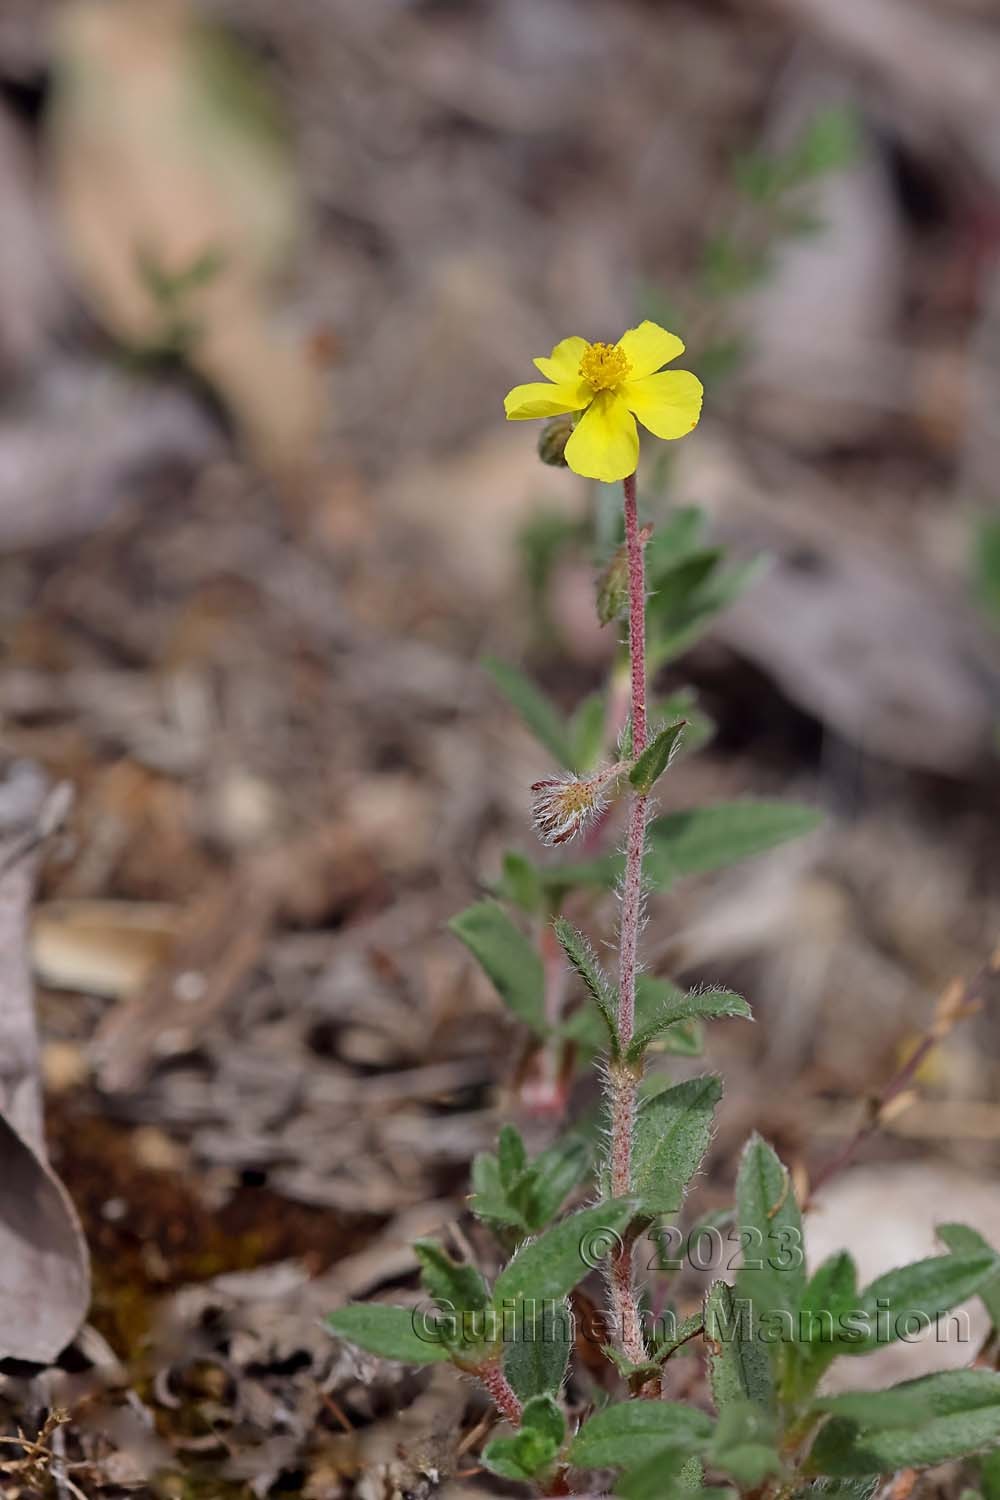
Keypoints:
pixel 648 347
pixel 669 404
pixel 604 443
pixel 563 364
pixel 539 399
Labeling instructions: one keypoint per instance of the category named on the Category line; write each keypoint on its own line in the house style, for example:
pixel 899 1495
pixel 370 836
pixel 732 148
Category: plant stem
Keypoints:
pixel 621 1077
pixel 502 1393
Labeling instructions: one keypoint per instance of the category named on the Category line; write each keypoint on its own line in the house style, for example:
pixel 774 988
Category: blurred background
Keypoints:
pixel 267 268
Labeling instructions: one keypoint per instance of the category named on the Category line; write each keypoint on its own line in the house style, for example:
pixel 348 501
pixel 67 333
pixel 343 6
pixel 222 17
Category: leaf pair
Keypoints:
pixel 660 1007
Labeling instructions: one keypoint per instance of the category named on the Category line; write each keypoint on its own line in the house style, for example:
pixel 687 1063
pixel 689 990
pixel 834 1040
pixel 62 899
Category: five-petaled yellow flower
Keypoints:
pixel 612 384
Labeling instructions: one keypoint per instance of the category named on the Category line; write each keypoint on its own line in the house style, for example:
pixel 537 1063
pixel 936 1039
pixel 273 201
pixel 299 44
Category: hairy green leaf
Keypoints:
pixel 524 1456
pixel 456 1287
pixel 709 838
pixel 654 760
pixel 906 1301
pixel 672 1132
pixel 390 1332
pixel 551 1266
pixel 962 1240
pixel 626 1434
pixel 678 1007
pixel 772 1277
pixel 536 1358
pixel 584 961
pixel 507 957
pixel 521 884
pixel 738 1366
pixel 927 1421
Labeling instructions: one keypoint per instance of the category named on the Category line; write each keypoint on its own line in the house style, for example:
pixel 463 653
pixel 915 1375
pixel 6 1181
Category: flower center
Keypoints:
pixel 604 366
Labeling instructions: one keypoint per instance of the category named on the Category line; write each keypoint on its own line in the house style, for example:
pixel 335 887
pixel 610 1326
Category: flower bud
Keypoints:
pixel 554 437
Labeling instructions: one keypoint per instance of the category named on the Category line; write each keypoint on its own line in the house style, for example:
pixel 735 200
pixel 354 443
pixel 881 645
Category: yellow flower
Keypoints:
pixel 612 384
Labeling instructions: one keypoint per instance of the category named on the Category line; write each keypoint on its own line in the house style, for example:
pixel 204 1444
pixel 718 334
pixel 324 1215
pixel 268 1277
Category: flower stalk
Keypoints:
pixel 622 1079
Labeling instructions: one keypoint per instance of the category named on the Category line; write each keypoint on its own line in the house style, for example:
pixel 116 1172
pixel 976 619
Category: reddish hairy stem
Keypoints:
pixel 621 1079
pixel 501 1392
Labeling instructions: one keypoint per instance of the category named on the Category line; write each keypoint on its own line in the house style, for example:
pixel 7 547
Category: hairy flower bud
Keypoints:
pixel 553 439
pixel 563 805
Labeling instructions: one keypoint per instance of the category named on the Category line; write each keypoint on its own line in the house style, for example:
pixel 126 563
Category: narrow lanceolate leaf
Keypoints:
pixel 963 1240
pixel 677 1008
pixel 507 958
pixel 773 1276
pixel 627 1434
pixel 672 1132
pixel 521 883
pixel 551 1265
pixel 927 1421
pixel 738 1366
pixel 709 838
pixel 582 957
pixel 656 757
pixel 401 1333
pixel 906 1302
pixel 538 712
pixel 457 1287
pixel 537 1356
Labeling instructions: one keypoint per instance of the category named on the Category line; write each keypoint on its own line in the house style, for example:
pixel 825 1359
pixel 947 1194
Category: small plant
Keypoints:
pixel 768 1338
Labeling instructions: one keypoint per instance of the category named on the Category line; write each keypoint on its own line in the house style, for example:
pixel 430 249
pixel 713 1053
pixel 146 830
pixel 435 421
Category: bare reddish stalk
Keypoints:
pixel 621 1077
pixel 501 1392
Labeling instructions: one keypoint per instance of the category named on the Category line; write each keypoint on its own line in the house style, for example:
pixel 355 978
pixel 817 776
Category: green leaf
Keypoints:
pixel 831 1295
pixel 625 1435
pixel 390 1332
pixel 490 1200
pixel 547 1182
pixel 586 733
pixel 989 1475
pixel 654 760
pixel 538 712
pixel 678 1007
pixel 672 1132
pixel 927 1421
pixel 909 1299
pixel 508 959
pixel 536 1359
pixel 456 1287
pixel 511 1155
pixel 524 1456
pixel 664 1474
pixel 743 1443
pixel 772 1278
pixel 541 1414
pixel 962 1240
pixel 551 1266
pixel 709 838
pixel 581 956
pixel 738 1366
pixel 521 884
